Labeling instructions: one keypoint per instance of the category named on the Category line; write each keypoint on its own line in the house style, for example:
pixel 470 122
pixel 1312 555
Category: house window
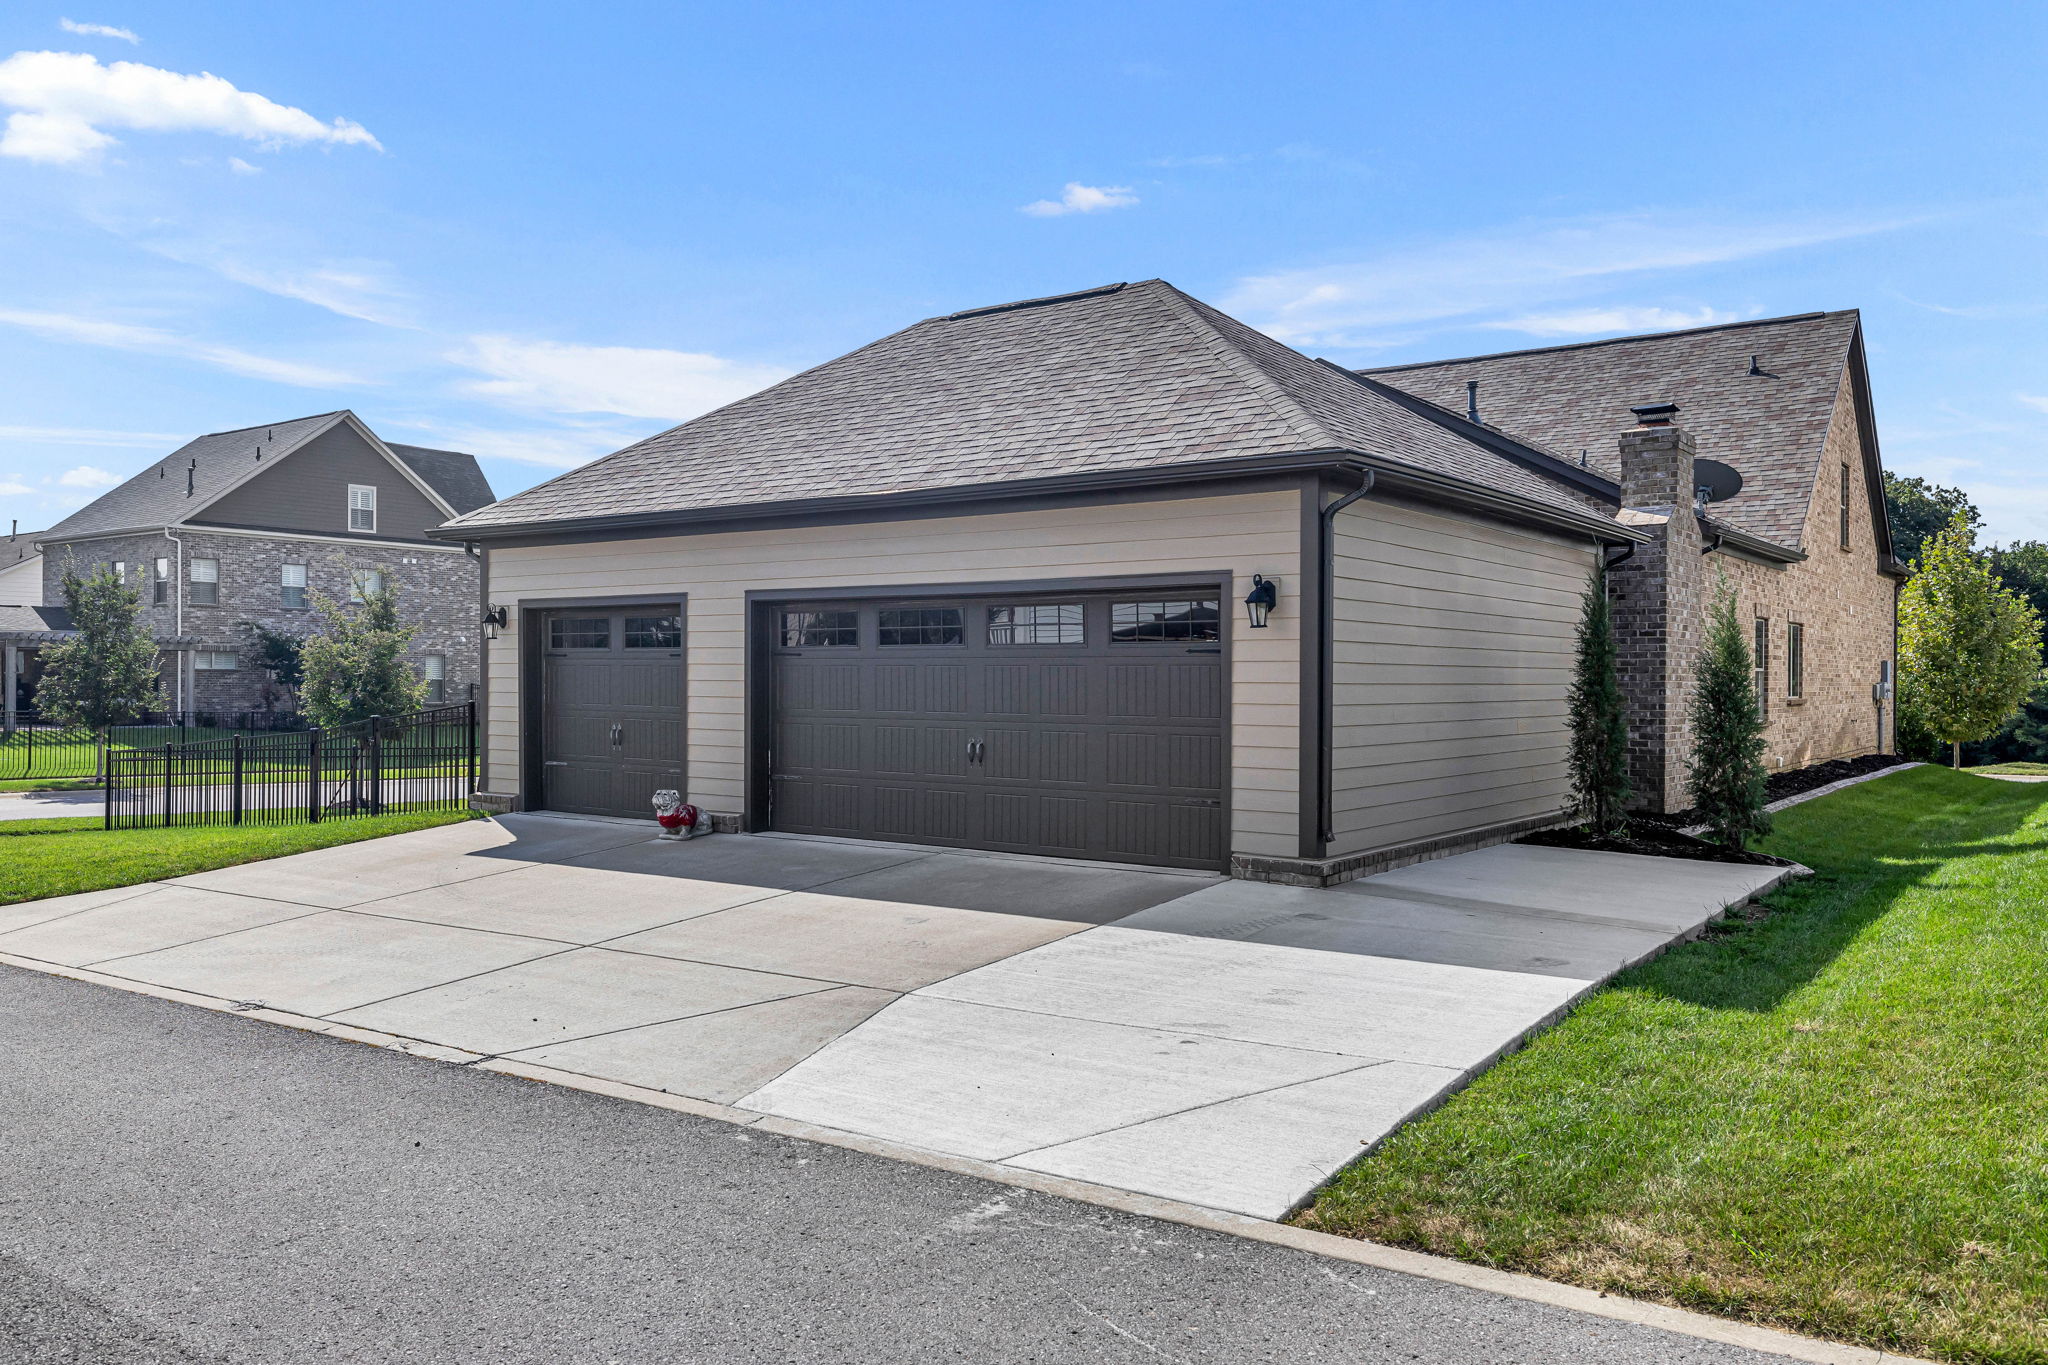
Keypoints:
pixel 362 507
pixel 364 584
pixel 216 660
pixel 654 632
pixel 205 576
pixel 1763 668
pixel 160 584
pixel 1795 660
pixel 292 587
pixel 580 632
pixel 1049 625
pixel 1187 619
pixel 819 629
pixel 435 670
pixel 1843 504
pixel 120 571
pixel 921 626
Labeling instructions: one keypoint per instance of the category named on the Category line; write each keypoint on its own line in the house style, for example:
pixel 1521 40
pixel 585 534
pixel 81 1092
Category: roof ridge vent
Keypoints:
pixel 1037 303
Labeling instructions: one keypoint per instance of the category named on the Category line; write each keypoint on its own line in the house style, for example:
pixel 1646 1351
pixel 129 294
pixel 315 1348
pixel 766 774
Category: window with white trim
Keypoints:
pixel 205 582
pixel 160 587
pixel 292 587
pixel 362 507
pixel 362 583
pixel 434 668
pixel 216 660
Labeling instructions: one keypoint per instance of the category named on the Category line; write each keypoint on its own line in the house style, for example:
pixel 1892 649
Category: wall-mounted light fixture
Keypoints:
pixel 1258 603
pixel 493 621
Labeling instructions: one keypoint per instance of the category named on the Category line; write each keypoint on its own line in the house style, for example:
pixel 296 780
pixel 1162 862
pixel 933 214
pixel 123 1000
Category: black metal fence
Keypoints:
pixel 34 747
pixel 422 761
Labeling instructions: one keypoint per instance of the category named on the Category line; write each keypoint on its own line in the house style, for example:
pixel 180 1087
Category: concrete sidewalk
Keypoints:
pixel 1227 1043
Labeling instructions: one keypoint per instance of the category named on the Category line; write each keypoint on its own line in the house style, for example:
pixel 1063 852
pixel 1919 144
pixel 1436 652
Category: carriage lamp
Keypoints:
pixel 493 621
pixel 1258 603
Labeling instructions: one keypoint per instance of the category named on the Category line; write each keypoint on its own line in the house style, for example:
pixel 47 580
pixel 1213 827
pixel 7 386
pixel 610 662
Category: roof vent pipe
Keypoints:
pixel 191 475
pixel 1472 401
pixel 1754 367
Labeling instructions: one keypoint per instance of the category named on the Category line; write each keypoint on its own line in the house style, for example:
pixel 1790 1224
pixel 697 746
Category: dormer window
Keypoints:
pixel 362 507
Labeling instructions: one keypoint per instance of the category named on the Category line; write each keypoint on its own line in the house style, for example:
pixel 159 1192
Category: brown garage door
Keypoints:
pixel 1084 726
pixel 612 709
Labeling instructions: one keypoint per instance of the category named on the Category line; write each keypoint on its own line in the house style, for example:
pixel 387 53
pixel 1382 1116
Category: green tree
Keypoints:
pixel 1969 649
pixel 2023 737
pixel 107 673
pixel 1727 777
pixel 2023 567
pixel 354 664
pixel 1918 510
pixel 278 655
pixel 1599 719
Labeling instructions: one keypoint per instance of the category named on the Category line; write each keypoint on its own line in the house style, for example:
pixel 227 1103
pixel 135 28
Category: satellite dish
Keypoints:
pixel 1716 482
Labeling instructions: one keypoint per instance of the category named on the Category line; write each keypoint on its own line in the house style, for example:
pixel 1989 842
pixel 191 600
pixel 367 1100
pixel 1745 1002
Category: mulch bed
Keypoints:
pixel 1662 836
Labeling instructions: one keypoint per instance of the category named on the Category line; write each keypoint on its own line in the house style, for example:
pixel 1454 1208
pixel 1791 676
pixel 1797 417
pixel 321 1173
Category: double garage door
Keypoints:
pixel 1088 726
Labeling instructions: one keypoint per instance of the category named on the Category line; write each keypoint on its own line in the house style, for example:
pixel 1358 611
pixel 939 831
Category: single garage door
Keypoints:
pixel 612 709
pixel 1087 726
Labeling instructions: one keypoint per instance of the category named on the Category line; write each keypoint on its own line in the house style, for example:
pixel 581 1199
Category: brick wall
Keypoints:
pixel 1663 593
pixel 437 590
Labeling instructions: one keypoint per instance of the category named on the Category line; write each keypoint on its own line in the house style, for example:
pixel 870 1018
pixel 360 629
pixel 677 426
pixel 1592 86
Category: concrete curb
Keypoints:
pixel 1663 1317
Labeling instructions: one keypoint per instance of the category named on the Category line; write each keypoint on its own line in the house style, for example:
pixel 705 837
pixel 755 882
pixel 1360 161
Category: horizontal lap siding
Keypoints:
pixel 1453 658
pixel 1244 533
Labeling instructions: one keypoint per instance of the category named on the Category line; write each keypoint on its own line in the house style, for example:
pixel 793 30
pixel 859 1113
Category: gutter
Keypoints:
pixel 1395 474
pixel 1326 665
pixel 1720 535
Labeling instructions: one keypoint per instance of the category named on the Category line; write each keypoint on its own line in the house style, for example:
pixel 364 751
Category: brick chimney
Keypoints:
pixel 1656 461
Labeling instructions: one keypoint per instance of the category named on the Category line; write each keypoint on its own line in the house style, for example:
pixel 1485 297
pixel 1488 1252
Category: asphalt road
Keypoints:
pixel 180 1186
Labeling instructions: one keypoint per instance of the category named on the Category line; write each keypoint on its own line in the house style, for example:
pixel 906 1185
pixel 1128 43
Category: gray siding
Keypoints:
pixel 307 491
pixel 1453 657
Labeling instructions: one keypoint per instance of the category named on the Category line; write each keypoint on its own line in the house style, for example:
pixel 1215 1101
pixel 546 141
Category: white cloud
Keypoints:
pixel 10 489
pixel 353 289
pixel 1080 198
pixel 124 336
pixel 550 448
pixel 1599 321
pixel 64 101
pixel 88 476
pixel 1510 271
pixel 241 167
pixel 2035 401
pixel 631 381
pixel 89 436
pixel 126 35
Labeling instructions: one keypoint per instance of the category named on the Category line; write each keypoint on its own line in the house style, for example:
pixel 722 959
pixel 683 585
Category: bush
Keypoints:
pixel 354 664
pixel 1727 778
pixel 1599 719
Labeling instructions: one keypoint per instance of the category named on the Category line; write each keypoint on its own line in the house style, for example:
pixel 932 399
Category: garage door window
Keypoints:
pixel 819 629
pixel 1146 622
pixel 580 632
pixel 922 626
pixel 1039 625
pixel 654 632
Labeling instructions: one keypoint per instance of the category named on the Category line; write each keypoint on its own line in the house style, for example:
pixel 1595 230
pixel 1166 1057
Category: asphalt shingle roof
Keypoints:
pixel 156 496
pixel 1769 426
pixel 19 620
pixel 1129 377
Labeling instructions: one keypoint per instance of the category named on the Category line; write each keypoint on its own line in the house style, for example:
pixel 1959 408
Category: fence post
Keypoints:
pixel 313 776
pixel 167 785
pixel 472 746
pixel 238 778
pixel 108 788
pixel 376 765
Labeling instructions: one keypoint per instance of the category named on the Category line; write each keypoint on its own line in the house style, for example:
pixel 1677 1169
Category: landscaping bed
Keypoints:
pixel 1652 838
pixel 1832 1117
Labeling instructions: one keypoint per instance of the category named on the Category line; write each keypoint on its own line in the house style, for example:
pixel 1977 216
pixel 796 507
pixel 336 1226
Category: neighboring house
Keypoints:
pixel 1805 546
pixel 982 583
pixel 241 528
pixel 21 570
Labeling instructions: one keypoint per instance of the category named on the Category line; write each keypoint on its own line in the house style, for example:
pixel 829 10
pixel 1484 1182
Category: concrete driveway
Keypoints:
pixel 1227 1043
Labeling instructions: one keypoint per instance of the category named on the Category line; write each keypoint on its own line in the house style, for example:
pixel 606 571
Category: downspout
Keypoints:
pixel 1326 625
pixel 178 614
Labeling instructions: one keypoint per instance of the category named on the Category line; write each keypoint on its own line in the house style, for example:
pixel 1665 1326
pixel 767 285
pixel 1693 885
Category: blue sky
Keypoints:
pixel 539 232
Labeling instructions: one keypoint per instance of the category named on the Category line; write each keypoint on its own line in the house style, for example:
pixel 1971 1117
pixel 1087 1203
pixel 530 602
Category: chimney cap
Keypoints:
pixel 1656 414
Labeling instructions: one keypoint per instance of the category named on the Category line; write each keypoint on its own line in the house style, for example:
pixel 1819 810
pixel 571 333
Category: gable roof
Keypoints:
pixel 456 476
pixel 18 548
pixel 27 624
pixel 1136 377
pixel 221 461
pixel 1770 426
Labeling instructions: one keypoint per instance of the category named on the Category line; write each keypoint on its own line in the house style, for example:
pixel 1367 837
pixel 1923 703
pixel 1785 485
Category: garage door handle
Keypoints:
pixel 618 735
pixel 976 751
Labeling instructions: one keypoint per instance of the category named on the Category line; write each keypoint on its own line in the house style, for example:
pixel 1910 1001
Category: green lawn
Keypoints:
pixel 2013 769
pixel 1832 1119
pixel 71 858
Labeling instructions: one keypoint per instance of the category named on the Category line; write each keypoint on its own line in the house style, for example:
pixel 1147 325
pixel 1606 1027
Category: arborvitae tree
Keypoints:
pixel 354 665
pixel 1599 720
pixel 107 673
pixel 1727 778
pixel 1969 649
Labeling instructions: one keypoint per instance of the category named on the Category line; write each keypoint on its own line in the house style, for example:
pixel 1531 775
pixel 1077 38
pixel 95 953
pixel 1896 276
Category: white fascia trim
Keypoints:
pixel 377 444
